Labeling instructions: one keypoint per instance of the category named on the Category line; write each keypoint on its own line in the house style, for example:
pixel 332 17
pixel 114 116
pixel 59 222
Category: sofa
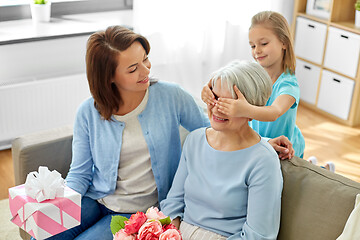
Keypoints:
pixel 316 203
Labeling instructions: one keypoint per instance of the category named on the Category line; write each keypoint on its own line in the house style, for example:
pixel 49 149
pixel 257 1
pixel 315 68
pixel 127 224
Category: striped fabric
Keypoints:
pixel 191 232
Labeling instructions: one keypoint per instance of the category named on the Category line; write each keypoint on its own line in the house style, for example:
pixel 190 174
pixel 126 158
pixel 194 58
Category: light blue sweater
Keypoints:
pixel 97 142
pixel 236 194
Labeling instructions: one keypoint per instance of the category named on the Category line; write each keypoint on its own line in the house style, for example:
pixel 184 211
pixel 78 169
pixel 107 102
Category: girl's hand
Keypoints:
pixel 207 95
pixel 283 147
pixel 234 107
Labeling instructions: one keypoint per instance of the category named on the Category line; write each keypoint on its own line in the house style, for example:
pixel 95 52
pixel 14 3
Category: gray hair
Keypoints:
pixel 250 78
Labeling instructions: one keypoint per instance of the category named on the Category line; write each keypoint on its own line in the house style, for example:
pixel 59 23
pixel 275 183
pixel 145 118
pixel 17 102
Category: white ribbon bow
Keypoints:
pixel 44 184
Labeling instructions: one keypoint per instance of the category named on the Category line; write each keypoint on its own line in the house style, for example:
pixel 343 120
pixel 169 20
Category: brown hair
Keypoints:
pixel 281 29
pixel 102 52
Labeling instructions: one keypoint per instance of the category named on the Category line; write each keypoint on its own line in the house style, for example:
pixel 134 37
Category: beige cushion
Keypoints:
pixel 315 202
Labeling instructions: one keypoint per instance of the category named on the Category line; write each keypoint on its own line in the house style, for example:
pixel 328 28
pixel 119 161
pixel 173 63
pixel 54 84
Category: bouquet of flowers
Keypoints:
pixel 152 225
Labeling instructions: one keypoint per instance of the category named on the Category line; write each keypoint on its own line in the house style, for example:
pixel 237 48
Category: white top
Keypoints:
pixel 135 184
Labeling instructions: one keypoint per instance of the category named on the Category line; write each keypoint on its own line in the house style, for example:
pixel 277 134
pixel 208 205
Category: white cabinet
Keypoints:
pixel 342 51
pixel 335 94
pixel 308 78
pixel 328 64
pixel 305 46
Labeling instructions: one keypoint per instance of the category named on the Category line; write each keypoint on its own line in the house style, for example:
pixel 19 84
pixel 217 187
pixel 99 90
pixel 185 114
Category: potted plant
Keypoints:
pixel 357 13
pixel 40 10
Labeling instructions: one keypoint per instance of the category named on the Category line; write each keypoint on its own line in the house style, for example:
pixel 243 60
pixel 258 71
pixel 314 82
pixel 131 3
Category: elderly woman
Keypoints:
pixel 228 184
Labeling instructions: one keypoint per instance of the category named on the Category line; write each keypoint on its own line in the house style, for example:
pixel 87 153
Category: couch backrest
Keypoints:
pixel 316 203
pixel 51 148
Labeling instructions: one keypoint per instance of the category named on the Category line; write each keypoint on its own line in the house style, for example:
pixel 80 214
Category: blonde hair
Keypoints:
pixel 281 29
pixel 249 77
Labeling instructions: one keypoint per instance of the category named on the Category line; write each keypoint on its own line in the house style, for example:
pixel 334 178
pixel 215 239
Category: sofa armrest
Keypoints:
pixel 50 148
pixel 315 203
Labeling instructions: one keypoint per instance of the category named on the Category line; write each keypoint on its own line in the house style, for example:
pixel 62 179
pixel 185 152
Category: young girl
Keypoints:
pixel 272 48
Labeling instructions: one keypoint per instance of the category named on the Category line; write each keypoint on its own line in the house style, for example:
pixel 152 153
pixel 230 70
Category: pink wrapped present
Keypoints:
pixel 48 217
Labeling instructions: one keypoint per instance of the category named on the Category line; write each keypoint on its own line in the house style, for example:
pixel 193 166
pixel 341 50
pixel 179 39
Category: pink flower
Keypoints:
pixel 122 235
pixel 154 213
pixel 151 230
pixel 170 234
pixel 168 226
pixel 134 223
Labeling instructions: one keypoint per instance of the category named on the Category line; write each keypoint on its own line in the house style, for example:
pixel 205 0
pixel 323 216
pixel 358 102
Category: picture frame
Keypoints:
pixel 319 8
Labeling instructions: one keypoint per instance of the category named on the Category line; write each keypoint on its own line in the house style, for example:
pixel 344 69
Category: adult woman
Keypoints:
pixel 126 143
pixel 228 184
pixel 128 118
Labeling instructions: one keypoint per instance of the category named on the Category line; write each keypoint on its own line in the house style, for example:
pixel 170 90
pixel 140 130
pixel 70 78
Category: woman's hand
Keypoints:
pixel 283 147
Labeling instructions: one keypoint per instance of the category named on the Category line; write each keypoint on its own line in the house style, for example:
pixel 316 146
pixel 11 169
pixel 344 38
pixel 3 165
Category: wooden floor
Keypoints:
pixel 324 138
pixel 331 141
pixel 6 173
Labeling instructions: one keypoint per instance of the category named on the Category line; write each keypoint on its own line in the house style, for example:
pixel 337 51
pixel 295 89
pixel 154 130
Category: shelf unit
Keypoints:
pixel 319 86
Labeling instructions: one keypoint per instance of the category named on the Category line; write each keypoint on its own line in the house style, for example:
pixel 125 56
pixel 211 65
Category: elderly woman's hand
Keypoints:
pixel 283 147
pixel 176 223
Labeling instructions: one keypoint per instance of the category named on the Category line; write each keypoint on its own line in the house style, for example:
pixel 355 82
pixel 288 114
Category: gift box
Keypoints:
pixel 42 217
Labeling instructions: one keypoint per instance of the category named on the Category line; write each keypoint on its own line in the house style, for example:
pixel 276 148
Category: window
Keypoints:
pixel 19 9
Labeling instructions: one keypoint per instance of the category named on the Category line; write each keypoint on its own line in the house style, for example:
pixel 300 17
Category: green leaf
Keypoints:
pixel 357 5
pixel 40 1
pixel 117 223
pixel 165 221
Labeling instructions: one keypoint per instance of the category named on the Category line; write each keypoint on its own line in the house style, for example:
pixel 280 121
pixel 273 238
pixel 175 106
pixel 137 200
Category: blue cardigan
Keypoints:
pixel 97 142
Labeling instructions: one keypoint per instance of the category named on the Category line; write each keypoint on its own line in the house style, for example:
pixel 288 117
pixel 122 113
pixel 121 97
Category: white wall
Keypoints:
pixel 41 85
pixel 42 59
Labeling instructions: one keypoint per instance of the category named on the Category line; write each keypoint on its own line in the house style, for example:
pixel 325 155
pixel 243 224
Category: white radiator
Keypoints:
pixel 36 105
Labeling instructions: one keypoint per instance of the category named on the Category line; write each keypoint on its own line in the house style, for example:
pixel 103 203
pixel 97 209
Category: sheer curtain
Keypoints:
pixel 192 38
